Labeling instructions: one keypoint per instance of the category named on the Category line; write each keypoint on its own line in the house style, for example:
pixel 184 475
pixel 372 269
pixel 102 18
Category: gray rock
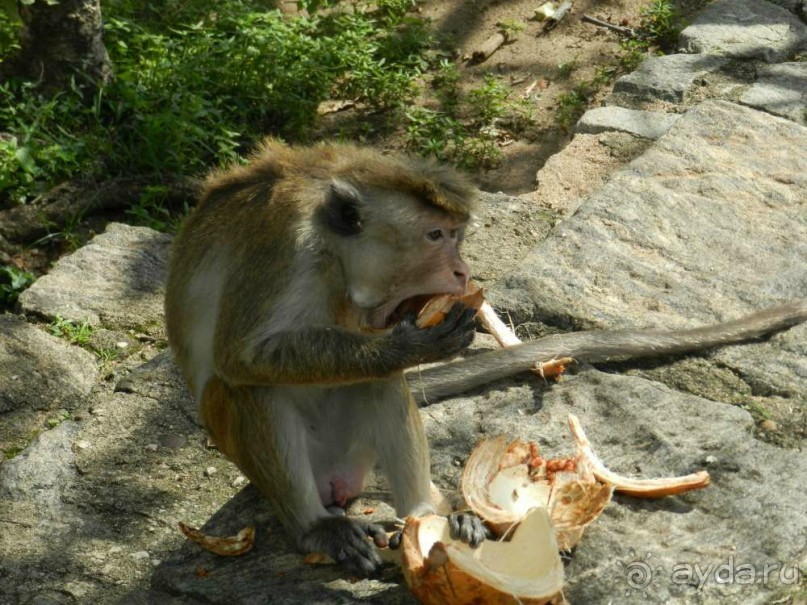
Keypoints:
pixel 161 379
pixel 781 90
pixel 647 124
pixel 753 513
pixel 794 6
pixel 42 473
pixel 704 226
pixel 511 226
pixel 117 280
pixel 38 370
pixel 668 78
pixel 745 29
pixel 272 573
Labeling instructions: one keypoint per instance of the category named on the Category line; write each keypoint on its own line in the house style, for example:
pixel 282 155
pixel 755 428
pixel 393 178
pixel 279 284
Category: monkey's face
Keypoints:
pixel 396 252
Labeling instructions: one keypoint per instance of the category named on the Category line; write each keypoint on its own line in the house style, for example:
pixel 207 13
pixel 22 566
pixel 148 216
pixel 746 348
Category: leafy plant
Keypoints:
pixel 72 331
pixel 564 70
pixel 467 127
pixel 12 282
pixel 196 86
pixel 55 421
pixel 661 24
pixel 572 105
pixel 510 28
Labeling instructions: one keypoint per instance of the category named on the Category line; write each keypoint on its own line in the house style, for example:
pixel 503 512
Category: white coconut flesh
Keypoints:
pixel 527 566
pixel 513 491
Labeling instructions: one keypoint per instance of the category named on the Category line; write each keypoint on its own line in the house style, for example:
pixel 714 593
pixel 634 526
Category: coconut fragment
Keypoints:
pixel 639 488
pixel 503 481
pixel 504 335
pixel 226 546
pixel 442 571
pixel 436 309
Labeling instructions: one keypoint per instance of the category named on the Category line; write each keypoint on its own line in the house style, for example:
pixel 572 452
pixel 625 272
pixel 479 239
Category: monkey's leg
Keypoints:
pixel 405 459
pixel 267 439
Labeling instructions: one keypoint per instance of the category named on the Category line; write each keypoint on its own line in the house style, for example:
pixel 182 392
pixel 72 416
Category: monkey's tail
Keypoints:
pixel 435 383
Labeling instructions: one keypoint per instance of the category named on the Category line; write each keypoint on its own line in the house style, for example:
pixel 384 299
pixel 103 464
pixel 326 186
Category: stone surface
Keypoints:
pixel 647 124
pixel 781 90
pixel 117 281
pixel 40 370
pixel 745 29
pixel 41 377
pixel 37 516
pixel 709 224
pixel 794 6
pixel 581 168
pixel 669 77
pixel 511 226
pixel 753 514
pixel 41 474
pixel 753 485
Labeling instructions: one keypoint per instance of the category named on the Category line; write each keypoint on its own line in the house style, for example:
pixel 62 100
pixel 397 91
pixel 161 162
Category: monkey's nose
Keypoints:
pixel 461 273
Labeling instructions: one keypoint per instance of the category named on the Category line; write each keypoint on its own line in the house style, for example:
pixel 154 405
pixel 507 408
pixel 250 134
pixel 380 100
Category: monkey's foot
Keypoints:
pixel 468 528
pixel 345 541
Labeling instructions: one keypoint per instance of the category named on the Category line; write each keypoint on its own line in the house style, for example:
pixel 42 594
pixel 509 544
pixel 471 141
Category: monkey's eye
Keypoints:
pixel 435 234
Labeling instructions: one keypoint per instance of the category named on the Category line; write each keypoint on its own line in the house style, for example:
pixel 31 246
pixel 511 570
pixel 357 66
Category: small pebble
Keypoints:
pixel 140 555
pixel 210 471
pixel 711 459
pixel 122 344
pixel 238 481
pixel 83 445
pixel 173 441
pixel 151 447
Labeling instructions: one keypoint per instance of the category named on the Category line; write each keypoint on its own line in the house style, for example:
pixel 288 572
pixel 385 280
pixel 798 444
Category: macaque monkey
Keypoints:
pixel 290 306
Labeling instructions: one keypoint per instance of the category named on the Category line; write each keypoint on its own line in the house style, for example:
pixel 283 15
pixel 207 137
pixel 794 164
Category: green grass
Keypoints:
pixel 72 331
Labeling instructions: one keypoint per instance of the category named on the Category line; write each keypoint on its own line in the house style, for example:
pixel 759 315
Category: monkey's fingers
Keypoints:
pixel 345 541
pixel 378 534
pixel 359 558
pixel 395 539
pixel 468 528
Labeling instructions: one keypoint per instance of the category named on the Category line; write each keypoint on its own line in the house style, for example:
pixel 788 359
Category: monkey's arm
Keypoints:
pixel 334 355
pixel 435 383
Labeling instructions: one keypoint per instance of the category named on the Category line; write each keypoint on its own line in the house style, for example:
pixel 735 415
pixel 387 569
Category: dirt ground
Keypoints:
pixel 534 56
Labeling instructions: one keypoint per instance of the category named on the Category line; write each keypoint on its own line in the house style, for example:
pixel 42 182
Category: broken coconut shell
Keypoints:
pixel 503 481
pixel 225 546
pixel 638 488
pixel 442 571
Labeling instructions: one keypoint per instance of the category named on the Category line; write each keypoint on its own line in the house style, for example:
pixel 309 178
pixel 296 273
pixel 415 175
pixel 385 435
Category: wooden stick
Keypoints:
pixel 489 46
pixel 622 31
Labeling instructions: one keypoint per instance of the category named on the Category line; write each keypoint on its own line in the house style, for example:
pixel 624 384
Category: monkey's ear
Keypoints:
pixel 343 209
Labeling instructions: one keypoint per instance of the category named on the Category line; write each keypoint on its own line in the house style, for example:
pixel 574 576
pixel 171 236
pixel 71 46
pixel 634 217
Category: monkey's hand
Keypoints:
pixel 465 526
pixel 468 528
pixel 345 541
pixel 452 335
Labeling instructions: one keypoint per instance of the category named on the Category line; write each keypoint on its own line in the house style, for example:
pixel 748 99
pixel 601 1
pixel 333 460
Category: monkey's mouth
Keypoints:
pixel 409 306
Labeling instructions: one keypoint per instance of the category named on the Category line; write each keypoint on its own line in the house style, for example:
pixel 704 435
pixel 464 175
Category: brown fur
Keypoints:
pixel 278 284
